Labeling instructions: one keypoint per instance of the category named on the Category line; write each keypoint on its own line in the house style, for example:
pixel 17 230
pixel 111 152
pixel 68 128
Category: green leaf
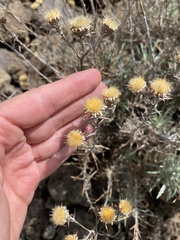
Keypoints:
pixel 161 191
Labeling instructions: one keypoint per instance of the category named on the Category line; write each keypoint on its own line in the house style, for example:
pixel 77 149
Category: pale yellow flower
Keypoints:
pixel 39 1
pixel 125 206
pixel 23 77
pixel 107 214
pixel 110 23
pixel 71 237
pixel 52 15
pixel 71 2
pixel 34 5
pixel 160 86
pixel 111 94
pixel 80 25
pixel 94 106
pixel 136 84
pixel 75 139
pixel 80 22
pixel 59 215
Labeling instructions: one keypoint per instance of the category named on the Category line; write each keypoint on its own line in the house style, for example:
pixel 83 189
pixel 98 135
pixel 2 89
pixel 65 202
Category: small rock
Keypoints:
pixel 5 78
pixel 49 232
pixel 64 189
pixel 11 64
pixel 15 21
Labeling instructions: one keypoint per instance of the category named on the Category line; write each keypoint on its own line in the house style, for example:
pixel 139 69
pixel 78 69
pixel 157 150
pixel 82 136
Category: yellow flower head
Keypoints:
pixel 23 77
pixel 111 94
pixel 59 215
pixel 125 207
pixel 94 106
pixel 75 139
pixel 136 84
pixel 52 16
pixel 107 214
pixel 39 1
pixel 160 86
pixel 71 237
pixel 178 57
pixel 80 25
pixel 80 22
pixel 23 81
pixel 71 2
pixel 34 5
pixel 110 23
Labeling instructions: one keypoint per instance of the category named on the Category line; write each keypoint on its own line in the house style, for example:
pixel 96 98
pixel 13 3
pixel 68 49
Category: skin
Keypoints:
pixel 33 126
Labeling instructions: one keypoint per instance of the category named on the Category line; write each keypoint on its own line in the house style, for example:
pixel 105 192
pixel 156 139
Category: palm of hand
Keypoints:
pixel 28 144
pixel 20 174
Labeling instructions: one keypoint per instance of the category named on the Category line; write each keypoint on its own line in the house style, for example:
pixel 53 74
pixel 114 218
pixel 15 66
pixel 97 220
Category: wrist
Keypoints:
pixel 4 216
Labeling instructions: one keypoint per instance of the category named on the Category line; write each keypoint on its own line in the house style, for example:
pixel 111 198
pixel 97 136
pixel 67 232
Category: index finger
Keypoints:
pixel 37 105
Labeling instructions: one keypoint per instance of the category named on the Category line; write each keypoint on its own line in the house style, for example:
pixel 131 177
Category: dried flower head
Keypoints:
pixel 110 25
pixel 111 94
pixel 80 25
pixel 59 215
pixel 71 237
pixel 75 139
pixel 53 16
pixel 94 106
pixel 107 214
pixel 160 86
pixel 136 84
pixel 125 206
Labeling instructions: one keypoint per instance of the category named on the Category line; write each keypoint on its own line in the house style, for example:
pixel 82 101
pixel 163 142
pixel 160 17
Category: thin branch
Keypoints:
pixel 108 192
pixel 148 33
pixel 130 3
pixel 86 179
pixel 84 7
pixel 33 33
pixel 37 57
pixel 26 60
pixel 8 4
pixel 93 8
pixel 137 235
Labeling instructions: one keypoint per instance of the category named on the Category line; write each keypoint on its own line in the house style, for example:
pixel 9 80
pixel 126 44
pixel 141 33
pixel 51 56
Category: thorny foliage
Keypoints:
pixel 141 137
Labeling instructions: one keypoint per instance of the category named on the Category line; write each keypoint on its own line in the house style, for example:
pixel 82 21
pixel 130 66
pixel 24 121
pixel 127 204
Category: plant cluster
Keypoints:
pixel 107 214
pixel 96 110
pixel 132 159
pixel 88 32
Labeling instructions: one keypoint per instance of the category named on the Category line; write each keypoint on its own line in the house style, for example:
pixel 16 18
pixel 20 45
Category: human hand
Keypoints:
pixel 33 126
